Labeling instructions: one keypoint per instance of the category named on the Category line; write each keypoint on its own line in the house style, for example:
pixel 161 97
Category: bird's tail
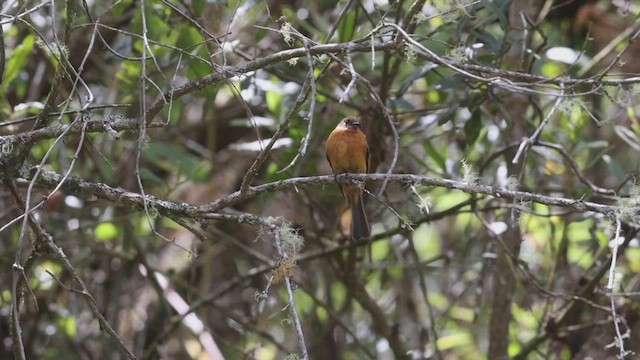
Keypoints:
pixel 359 223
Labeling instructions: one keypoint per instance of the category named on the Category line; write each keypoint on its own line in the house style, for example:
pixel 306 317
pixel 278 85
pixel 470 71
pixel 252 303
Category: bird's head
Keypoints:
pixel 351 123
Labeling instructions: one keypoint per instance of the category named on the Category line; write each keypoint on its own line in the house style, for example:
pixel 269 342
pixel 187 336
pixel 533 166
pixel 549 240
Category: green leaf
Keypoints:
pixel 497 9
pixel 463 313
pixel 380 250
pixel 472 127
pixel 493 45
pixel 120 7
pixel 197 6
pixel 632 255
pixel 175 160
pixel 438 158
pixel 322 314
pixel 148 175
pixel 106 231
pixel 447 116
pixel 347 27
pixel 403 105
pixel 450 82
pixel 415 76
pixel 274 102
pixel 552 69
pixel 191 40
pixel 18 60
pixel 156 26
pixel 304 302
pixel 455 340
pixel 67 323
pixel 129 72
pixel 338 295
pixel 615 169
pixel 427 241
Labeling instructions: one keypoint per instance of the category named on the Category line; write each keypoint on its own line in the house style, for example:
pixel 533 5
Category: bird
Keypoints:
pixel 348 152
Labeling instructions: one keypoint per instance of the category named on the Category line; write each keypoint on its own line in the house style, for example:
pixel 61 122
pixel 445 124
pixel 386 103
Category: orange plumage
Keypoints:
pixel 348 152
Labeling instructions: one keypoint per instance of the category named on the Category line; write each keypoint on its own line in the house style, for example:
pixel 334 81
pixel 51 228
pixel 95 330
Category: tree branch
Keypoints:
pixel 77 186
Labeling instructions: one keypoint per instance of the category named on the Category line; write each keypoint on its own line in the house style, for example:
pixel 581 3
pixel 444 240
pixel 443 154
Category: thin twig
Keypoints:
pixel 292 303
pixel 526 143
pixel 354 76
pixel 312 108
pixel 614 255
pixel 576 168
pixel 619 341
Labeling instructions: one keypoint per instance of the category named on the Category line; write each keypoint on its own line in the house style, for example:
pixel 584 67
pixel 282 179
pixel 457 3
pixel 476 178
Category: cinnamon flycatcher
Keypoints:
pixel 348 152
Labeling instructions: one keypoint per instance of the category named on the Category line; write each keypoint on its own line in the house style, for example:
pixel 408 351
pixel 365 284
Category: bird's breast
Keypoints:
pixel 347 151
